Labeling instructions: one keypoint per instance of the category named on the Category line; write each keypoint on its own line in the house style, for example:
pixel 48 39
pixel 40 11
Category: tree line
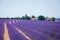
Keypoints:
pixel 40 17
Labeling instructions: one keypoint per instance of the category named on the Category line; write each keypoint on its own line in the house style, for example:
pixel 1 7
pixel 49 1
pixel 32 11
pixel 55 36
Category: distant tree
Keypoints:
pixel 53 18
pixel 22 17
pixel 33 16
pixel 41 17
pixel 17 17
pixel 27 17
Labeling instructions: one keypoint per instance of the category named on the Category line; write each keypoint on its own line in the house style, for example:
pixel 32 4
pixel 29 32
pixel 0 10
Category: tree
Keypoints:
pixel 33 16
pixel 53 19
pixel 27 17
pixel 17 17
pixel 41 17
pixel 22 17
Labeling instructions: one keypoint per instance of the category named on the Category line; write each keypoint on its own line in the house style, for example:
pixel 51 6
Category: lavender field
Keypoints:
pixel 13 29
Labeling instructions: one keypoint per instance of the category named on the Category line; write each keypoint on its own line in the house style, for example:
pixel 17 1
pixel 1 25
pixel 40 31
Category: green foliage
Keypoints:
pixel 33 16
pixel 25 17
pixel 53 19
pixel 22 17
pixel 17 17
pixel 41 17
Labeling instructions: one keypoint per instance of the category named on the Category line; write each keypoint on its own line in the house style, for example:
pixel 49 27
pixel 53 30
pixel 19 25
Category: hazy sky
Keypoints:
pixel 14 8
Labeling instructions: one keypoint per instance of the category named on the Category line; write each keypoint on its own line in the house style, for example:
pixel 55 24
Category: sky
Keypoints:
pixel 13 8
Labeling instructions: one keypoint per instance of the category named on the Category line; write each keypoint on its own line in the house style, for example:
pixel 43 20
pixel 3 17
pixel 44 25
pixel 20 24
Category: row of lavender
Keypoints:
pixel 1 28
pixel 35 29
pixel 13 33
pixel 49 30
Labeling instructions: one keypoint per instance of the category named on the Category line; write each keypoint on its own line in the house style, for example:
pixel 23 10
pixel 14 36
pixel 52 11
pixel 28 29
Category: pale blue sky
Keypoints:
pixel 14 8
